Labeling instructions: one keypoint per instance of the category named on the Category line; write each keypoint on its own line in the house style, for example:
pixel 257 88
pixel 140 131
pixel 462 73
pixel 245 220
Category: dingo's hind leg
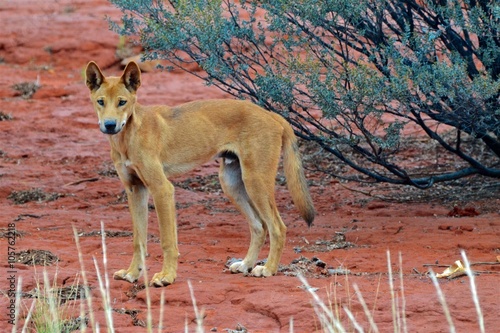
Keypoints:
pixel 232 184
pixel 258 174
pixel 262 198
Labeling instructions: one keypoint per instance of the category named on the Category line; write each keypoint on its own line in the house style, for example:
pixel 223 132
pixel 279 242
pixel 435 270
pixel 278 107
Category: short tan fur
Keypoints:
pixel 149 144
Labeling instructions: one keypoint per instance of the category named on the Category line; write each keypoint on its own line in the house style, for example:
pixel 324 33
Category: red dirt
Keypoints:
pixel 53 141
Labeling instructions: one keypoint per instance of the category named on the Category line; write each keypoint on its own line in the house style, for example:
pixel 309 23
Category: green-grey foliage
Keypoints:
pixel 359 77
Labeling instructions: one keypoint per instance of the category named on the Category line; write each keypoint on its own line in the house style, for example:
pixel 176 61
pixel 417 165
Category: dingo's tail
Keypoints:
pixel 294 172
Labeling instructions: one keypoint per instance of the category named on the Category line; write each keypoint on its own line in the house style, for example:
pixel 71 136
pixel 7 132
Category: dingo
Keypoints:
pixel 151 143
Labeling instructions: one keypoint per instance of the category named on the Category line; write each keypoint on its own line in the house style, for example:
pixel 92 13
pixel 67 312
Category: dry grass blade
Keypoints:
pixel 403 299
pixel 475 298
pixel 162 304
pixel 102 287
pixel 368 315
pixel 85 281
pixel 198 314
pixel 395 308
pixel 149 318
pixel 442 300
pixel 28 318
pixel 357 326
pixel 326 316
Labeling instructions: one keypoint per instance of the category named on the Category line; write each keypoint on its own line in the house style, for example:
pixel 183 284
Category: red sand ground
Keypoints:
pixel 53 141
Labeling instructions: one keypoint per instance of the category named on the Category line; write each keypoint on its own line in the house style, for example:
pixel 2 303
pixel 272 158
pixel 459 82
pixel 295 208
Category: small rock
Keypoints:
pixel 467 228
pixel 338 271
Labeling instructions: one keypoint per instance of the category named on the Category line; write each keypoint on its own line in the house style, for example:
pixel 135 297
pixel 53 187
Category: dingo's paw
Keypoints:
pixel 162 279
pixel 261 271
pixel 240 267
pixel 127 275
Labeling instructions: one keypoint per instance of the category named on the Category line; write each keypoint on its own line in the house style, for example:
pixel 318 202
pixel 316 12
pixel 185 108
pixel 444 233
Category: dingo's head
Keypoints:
pixel 113 97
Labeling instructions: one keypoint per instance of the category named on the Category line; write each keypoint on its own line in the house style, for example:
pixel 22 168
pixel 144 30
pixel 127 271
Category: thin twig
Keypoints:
pixel 76 182
pixel 435 265
pixel 471 264
pixel 21 217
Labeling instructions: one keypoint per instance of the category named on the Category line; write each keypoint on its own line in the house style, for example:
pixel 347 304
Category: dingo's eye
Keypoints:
pixel 122 102
pixel 100 102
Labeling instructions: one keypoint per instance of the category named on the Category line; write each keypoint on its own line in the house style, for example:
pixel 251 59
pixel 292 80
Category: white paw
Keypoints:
pixel 162 279
pixel 127 275
pixel 240 267
pixel 261 271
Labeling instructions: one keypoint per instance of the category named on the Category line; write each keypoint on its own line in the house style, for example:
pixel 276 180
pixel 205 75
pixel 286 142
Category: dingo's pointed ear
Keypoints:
pixel 132 77
pixel 93 76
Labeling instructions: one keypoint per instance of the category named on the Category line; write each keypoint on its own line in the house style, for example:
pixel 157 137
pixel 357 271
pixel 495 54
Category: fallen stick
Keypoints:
pixel 471 264
pixel 76 182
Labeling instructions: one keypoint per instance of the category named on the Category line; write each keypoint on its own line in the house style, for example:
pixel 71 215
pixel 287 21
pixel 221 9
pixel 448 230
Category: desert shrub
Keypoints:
pixel 405 92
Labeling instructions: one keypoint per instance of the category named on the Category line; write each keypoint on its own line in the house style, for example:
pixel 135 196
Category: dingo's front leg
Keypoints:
pixel 137 195
pixel 163 195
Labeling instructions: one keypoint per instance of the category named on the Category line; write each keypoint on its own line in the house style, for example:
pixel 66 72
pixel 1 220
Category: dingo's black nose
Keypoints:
pixel 110 125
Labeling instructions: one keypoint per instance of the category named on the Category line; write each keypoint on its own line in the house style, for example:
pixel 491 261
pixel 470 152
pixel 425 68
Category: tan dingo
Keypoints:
pixel 149 144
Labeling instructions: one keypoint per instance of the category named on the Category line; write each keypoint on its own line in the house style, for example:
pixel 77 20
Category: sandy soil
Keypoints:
pixel 52 143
